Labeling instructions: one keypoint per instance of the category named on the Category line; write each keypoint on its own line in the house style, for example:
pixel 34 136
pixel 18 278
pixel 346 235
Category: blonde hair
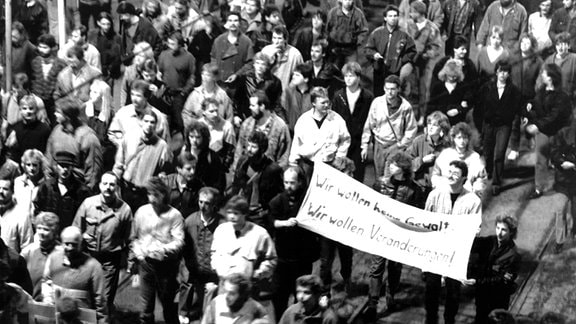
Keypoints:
pixel 106 94
pixel 452 67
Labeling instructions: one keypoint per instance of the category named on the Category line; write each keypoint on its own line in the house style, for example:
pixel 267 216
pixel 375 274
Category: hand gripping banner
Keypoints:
pixel 342 209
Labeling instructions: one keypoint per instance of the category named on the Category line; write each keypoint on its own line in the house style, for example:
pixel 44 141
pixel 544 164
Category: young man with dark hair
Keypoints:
pixel 241 247
pixel 391 50
pixel 284 57
pixel 456 200
pixel 139 158
pixel 128 118
pixel 498 268
pixel 15 226
pixel 296 97
pixel 260 77
pixel 199 228
pixel 135 30
pixel 241 52
pixel 184 185
pixel 391 123
pixel 235 303
pixel 308 309
pixel 157 241
pixel 176 67
pixel 263 119
pixel 353 104
pixel 257 178
pixel 400 186
pixel 320 134
pixel 74 80
pixel 347 29
pixel 305 37
pixel 45 69
pixel 324 73
pixel 74 136
pixel 80 38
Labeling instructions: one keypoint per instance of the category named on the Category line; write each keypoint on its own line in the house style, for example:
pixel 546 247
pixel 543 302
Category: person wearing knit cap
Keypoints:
pixel 63 193
pixel 135 30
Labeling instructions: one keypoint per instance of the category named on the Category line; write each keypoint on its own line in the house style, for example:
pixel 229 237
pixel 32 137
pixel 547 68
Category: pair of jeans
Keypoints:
pixel 158 277
pixel 565 226
pixel 110 262
pixel 327 254
pixel 541 172
pixel 495 142
pixel 287 271
pixel 432 298
pixel 381 154
pixel 377 268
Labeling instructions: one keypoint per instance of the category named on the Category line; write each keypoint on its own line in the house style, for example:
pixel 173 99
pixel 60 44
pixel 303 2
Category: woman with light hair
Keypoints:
pixel 142 51
pixel 491 54
pixel 450 96
pixel 26 185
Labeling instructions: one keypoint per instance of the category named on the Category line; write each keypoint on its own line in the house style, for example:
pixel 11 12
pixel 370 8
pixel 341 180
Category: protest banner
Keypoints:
pixel 342 209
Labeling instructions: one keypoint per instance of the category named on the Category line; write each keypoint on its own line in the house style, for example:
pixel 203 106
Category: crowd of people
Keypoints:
pixel 192 180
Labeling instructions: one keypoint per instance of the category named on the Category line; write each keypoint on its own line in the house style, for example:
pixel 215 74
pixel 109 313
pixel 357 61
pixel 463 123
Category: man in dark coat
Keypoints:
pixel 497 268
pixel 356 115
pixel 258 179
pixel 63 194
pixel 297 248
pixel 135 30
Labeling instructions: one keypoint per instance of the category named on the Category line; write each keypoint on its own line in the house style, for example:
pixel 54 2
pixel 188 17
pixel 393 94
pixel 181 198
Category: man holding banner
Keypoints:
pixel 399 186
pixel 457 201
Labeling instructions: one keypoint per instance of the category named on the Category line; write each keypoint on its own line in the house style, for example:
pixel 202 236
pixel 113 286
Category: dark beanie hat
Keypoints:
pixel 65 158
pixel 126 8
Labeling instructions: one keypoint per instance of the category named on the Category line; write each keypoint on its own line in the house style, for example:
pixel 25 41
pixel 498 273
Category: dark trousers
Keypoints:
pixel 489 299
pixel 86 11
pixel 327 255
pixel 432 298
pixel 380 75
pixel 495 142
pixel 377 268
pixel 111 263
pixel 193 293
pixel 287 271
pixel 158 277
pixel 360 166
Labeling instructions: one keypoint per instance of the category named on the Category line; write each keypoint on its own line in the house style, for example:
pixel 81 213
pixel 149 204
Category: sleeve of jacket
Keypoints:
pixel 21 276
pixel 371 46
pixel 369 125
pixel 411 128
pixel 554 22
pixel 483 31
pixel 415 153
pixel 561 104
pixel 344 138
pixel 93 163
pixel 174 247
pixel 284 143
pixel 362 29
pixel 268 256
pixel 189 251
pixel 409 52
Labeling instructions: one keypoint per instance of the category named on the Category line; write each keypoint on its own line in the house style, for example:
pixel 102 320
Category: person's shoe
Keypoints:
pixel 535 194
pixel 370 313
pixel 558 248
pixel 390 303
pixel 495 190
